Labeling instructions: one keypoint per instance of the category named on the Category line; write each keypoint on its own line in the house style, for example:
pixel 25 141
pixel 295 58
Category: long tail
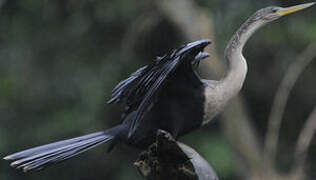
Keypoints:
pixel 42 156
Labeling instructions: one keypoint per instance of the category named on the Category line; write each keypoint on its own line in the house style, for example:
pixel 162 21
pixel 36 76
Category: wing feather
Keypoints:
pixel 143 107
pixel 140 89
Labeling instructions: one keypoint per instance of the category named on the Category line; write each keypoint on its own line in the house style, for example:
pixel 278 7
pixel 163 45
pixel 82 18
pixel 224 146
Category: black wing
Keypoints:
pixel 142 86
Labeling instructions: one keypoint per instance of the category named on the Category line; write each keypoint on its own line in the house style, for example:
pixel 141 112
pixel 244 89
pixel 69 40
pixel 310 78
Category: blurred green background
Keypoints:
pixel 60 59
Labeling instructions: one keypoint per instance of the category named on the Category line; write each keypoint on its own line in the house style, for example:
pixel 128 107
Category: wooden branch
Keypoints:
pixel 280 101
pixel 304 141
pixel 168 159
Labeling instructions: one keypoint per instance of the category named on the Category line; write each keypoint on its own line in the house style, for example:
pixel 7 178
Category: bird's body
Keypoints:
pixel 179 110
pixel 176 105
pixel 167 94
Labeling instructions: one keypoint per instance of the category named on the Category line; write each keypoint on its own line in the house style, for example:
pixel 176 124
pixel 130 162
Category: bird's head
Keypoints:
pixel 257 20
pixel 272 13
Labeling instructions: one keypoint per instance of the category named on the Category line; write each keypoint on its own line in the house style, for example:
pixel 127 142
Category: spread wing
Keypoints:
pixel 141 88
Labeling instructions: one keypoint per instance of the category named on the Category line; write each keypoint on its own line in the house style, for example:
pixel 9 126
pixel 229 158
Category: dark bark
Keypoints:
pixel 169 159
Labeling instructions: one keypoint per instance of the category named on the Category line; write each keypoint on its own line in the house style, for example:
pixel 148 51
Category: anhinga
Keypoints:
pixel 166 94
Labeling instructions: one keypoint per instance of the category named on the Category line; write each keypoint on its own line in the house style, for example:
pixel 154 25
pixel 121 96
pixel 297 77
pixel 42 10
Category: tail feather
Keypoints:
pixel 57 155
pixel 42 156
pixel 37 150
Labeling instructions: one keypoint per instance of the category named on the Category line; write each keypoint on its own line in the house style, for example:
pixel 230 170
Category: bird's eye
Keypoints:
pixel 274 10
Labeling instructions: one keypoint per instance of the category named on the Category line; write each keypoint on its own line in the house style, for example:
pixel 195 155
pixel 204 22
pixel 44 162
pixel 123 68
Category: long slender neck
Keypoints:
pixel 237 67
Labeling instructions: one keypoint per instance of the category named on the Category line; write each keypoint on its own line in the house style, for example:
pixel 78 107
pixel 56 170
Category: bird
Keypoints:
pixel 167 94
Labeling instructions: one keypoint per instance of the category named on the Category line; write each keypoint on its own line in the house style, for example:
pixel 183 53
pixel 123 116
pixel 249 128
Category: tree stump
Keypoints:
pixel 172 160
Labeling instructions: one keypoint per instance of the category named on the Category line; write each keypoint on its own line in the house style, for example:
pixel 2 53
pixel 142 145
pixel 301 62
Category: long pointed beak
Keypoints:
pixel 293 9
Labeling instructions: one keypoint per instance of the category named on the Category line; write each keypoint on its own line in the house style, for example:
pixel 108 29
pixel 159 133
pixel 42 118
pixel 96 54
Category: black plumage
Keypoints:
pixel 166 94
